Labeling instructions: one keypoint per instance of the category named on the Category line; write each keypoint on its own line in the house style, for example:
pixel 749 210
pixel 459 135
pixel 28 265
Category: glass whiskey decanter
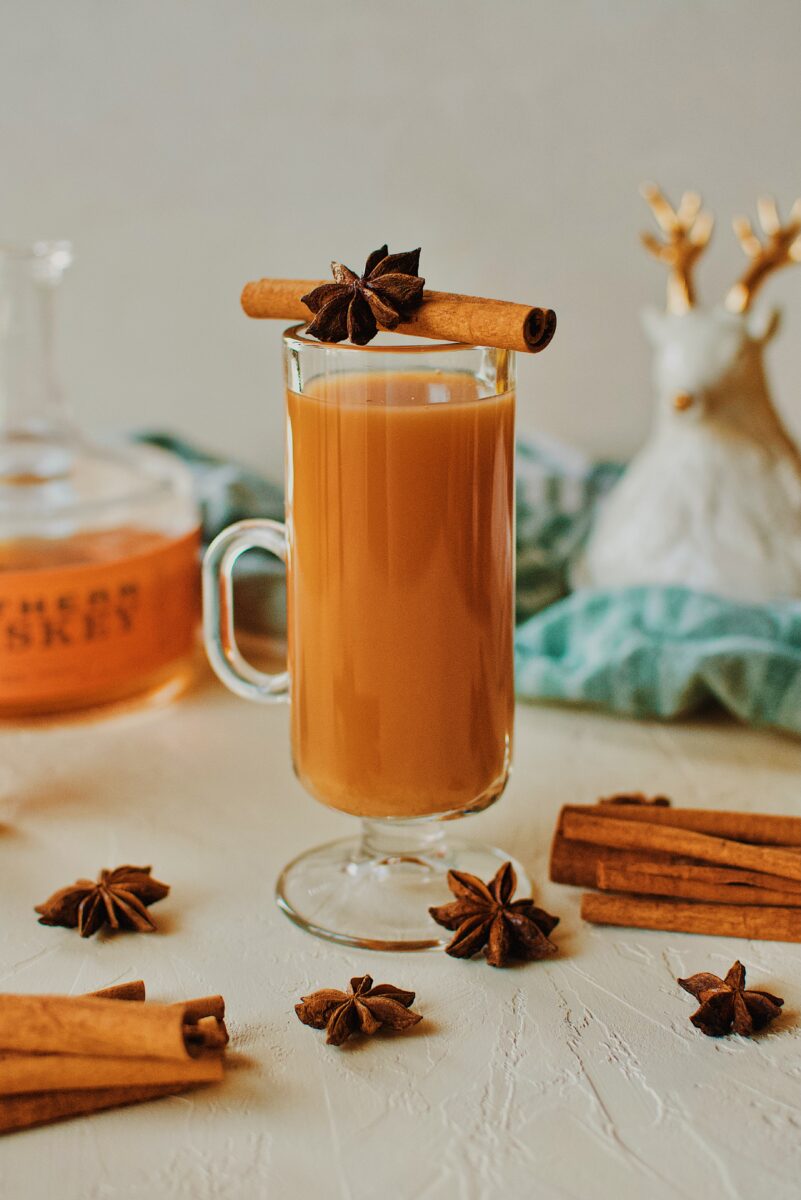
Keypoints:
pixel 99 576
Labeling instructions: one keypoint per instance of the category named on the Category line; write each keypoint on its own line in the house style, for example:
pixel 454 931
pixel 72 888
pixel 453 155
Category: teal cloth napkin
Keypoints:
pixel 645 651
pixel 665 652
pixel 558 490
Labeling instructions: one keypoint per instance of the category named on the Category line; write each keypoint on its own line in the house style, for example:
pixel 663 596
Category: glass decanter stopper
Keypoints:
pixel 99 545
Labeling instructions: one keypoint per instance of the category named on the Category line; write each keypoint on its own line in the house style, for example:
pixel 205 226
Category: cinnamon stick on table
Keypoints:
pixel 20 1073
pixel 443 316
pixel 577 863
pixel 725 920
pixel 705 873
pixel 27 1111
pixel 649 836
pixel 97 1062
pixel 767 829
pixel 669 880
pixel 121 991
pixel 88 1025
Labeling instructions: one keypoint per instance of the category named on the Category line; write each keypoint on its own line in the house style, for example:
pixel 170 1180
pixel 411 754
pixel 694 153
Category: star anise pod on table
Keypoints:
pixel 354 306
pixel 484 915
pixel 364 1009
pixel 119 898
pixel 727 1006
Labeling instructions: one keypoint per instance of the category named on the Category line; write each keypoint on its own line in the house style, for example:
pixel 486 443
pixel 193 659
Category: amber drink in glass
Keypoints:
pixel 399 546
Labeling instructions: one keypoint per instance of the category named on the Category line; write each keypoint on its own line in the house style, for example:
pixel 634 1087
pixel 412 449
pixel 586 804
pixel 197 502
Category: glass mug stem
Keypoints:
pixel 228 663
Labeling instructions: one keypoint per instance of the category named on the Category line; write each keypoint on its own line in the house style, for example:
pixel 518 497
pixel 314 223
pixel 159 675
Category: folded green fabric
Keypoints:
pixel 665 652
pixel 558 490
pixel 225 491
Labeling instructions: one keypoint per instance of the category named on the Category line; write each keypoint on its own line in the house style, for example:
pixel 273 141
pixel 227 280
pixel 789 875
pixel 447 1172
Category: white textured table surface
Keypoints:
pixel 580 1077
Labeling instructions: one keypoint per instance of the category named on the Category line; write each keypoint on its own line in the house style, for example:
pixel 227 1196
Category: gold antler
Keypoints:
pixel 687 231
pixel 782 246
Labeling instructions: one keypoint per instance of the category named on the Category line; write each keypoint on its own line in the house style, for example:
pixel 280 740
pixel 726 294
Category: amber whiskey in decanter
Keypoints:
pixel 98 544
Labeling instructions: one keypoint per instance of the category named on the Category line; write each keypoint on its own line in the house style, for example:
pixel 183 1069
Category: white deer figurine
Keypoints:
pixel 713 499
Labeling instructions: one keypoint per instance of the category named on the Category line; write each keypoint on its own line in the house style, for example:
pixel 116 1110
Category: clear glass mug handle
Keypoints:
pixel 218 609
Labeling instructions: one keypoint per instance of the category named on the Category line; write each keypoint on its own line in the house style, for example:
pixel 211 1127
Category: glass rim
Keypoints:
pixel 293 336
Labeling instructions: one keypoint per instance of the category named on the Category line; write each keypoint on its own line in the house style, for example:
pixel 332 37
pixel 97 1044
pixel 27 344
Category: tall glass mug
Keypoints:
pixel 399 548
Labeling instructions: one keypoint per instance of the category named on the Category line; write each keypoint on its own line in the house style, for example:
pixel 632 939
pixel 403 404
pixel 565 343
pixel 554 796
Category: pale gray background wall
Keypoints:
pixel 188 146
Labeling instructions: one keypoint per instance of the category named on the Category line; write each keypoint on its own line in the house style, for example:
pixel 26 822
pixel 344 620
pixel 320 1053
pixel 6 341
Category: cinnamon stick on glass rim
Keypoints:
pixel 442 316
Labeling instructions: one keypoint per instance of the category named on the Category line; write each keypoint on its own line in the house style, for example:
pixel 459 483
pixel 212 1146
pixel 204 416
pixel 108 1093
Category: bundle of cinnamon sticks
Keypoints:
pixel 683 869
pixel 61 1056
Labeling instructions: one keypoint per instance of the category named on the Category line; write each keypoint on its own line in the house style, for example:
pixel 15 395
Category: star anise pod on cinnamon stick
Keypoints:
pixel 119 898
pixel 727 1006
pixel 364 1009
pixel 484 915
pixel 354 306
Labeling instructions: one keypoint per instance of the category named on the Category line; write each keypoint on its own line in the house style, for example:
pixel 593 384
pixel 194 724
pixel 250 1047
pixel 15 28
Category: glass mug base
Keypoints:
pixel 375 891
